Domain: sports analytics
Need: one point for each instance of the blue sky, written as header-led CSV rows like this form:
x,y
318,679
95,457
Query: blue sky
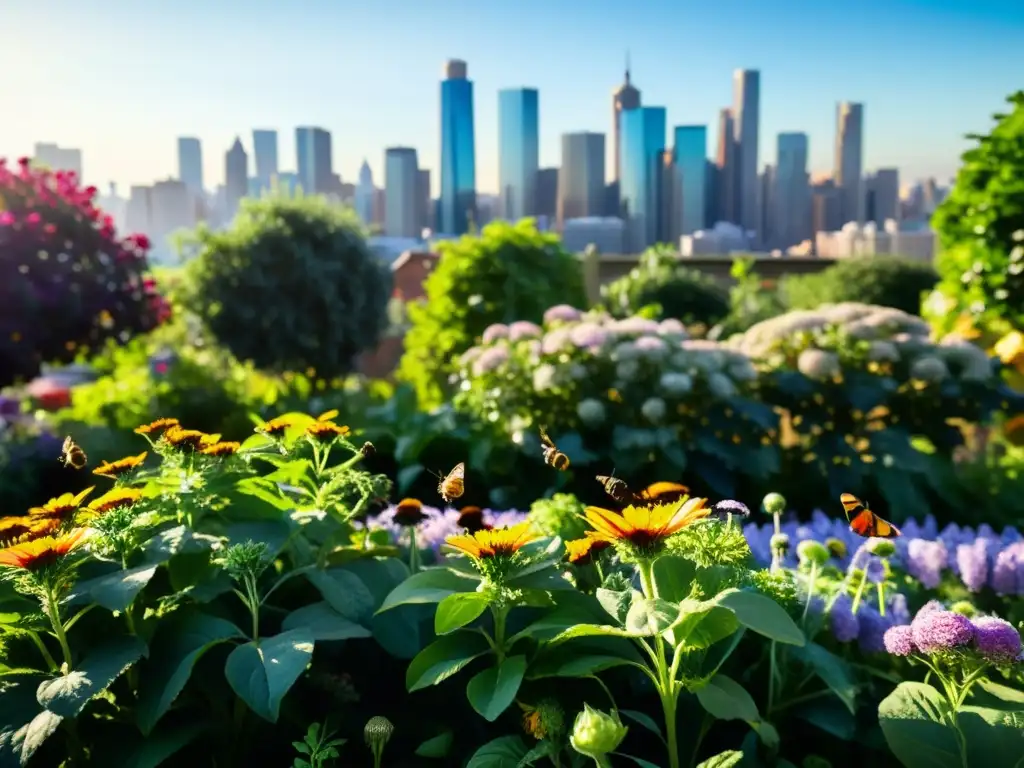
x,y
121,79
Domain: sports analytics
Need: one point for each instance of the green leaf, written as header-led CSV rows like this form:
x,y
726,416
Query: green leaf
x,y
22,743
177,647
638,760
991,695
504,752
68,694
379,574
832,670
764,616
158,747
615,603
266,491
324,623
262,672
714,625
726,699
274,533
114,591
428,586
674,577
439,746
830,716
176,541
995,737
344,591
459,609
650,617
646,721
913,721
723,760
400,633
492,691
443,658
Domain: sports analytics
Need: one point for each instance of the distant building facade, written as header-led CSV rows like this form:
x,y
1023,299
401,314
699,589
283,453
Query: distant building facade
x,y
458,151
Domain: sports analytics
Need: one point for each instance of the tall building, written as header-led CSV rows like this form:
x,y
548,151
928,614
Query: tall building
x,y
581,176
670,199
424,202
137,212
826,206
58,158
314,165
190,163
364,194
643,145
882,196
690,157
746,108
546,193
401,192
766,205
171,208
624,98
518,151
458,151
264,148
849,167
792,191
236,177
725,170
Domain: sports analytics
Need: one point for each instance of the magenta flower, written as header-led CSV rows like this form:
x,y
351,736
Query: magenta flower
x,y
997,640
899,640
941,631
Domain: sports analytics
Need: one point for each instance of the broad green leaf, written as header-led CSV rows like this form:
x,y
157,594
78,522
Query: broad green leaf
x,y
645,720
492,691
651,617
768,734
178,540
401,633
344,591
504,752
764,616
584,657
726,699
832,670
66,695
717,624
913,718
554,622
161,745
21,743
830,716
379,574
992,695
177,647
674,576
439,746
615,603
324,623
692,614
262,672
459,609
443,658
995,737
266,491
591,630
114,591
723,760
429,586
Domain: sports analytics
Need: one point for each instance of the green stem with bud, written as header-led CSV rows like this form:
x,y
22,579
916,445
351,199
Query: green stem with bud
x,y
53,612
812,585
668,689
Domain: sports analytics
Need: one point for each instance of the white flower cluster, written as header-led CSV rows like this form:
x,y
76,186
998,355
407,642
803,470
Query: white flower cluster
x,y
892,335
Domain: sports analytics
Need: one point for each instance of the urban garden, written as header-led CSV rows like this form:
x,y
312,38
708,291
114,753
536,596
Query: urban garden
x,y
670,525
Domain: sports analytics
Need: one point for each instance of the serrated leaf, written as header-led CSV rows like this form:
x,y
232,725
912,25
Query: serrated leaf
x,y
66,695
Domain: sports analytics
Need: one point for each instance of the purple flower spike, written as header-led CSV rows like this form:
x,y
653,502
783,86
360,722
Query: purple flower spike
x,y
997,640
844,622
925,561
941,631
874,571
973,562
899,641
873,627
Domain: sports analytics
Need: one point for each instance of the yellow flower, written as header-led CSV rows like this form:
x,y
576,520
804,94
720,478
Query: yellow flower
x,y
582,551
221,449
325,431
275,426
115,499
499,542
409,512
156,427
121,466
26,528
644,529
61,507
189,439
1010,349
41,552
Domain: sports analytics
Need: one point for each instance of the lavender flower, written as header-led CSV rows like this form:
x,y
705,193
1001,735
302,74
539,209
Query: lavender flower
x,y
673,328
1008,570
634,326
675,384
925,561
899,640
555,341
524,329
494,332
897,609
873,626
940,630
844,623
589,336
997,640
874,570
972,560
561,313
489,360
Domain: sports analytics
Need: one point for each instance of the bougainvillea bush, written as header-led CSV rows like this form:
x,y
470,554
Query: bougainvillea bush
x,y
67,281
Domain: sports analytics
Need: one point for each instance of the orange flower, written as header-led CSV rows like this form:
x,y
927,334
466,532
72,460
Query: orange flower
x,y
41,552
644,528
472,519
62,506
221,449
500,542
582,551
121,466
189,439
26,528
409,512
115,499
325,431
275,426
156,427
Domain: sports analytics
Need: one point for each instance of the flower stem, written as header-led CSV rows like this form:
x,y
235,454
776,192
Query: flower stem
x,y
499,632
881,599
771,676
667,685
254,605
414,551
47,656
812,585
859,593
58,628
668,705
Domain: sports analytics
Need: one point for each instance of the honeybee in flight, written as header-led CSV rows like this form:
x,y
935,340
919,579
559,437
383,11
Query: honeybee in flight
x,y
655,493
72,455
552,456
452,486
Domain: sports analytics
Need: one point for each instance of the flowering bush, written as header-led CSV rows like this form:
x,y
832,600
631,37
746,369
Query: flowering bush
x,y
886,282
66,280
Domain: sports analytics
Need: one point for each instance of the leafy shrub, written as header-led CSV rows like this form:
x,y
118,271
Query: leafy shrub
x,y
509,272
751,300
879,280
662,279
981,227
291,286
66,280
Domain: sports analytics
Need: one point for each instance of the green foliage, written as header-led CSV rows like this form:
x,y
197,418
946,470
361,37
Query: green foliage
x,y
751,300
981,225
662,279
884,281
559,516
291,286
509,272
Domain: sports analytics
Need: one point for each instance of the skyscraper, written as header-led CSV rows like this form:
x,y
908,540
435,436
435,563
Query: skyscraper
x,y
746,108
236,177
518,151
624,98
642,146
190,163
725,170
364,194
792,196
314,165
882,196
401,192
264,148
546,193
690,157
424,202
581,176
59,158
458,151
849,160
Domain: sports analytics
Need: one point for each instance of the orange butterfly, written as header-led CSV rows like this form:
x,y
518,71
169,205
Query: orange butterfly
x,y
865,522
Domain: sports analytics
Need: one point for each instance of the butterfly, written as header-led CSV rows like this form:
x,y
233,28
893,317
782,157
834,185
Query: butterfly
x,y
452,486
552,456
865,522
655,493
72,455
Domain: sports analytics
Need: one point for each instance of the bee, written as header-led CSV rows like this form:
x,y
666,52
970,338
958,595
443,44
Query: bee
x,y
552,456
72,455
865,522
615,488
655,493
452,486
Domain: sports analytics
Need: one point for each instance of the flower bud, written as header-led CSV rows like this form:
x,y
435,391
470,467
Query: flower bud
x,y
595,734
377,732
881,547
836,546
774,504
811,551
780,544
964,608
367,449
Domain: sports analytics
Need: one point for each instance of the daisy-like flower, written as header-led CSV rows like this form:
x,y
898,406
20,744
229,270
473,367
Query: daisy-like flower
x,y
189,439
62,506
644,530
225,448
275,427
32,555
25,528
471,519
326,431
409,512
115,499
495,543
582,551
157,427
115,469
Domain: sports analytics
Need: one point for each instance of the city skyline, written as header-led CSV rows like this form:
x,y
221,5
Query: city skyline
x,y
915,115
